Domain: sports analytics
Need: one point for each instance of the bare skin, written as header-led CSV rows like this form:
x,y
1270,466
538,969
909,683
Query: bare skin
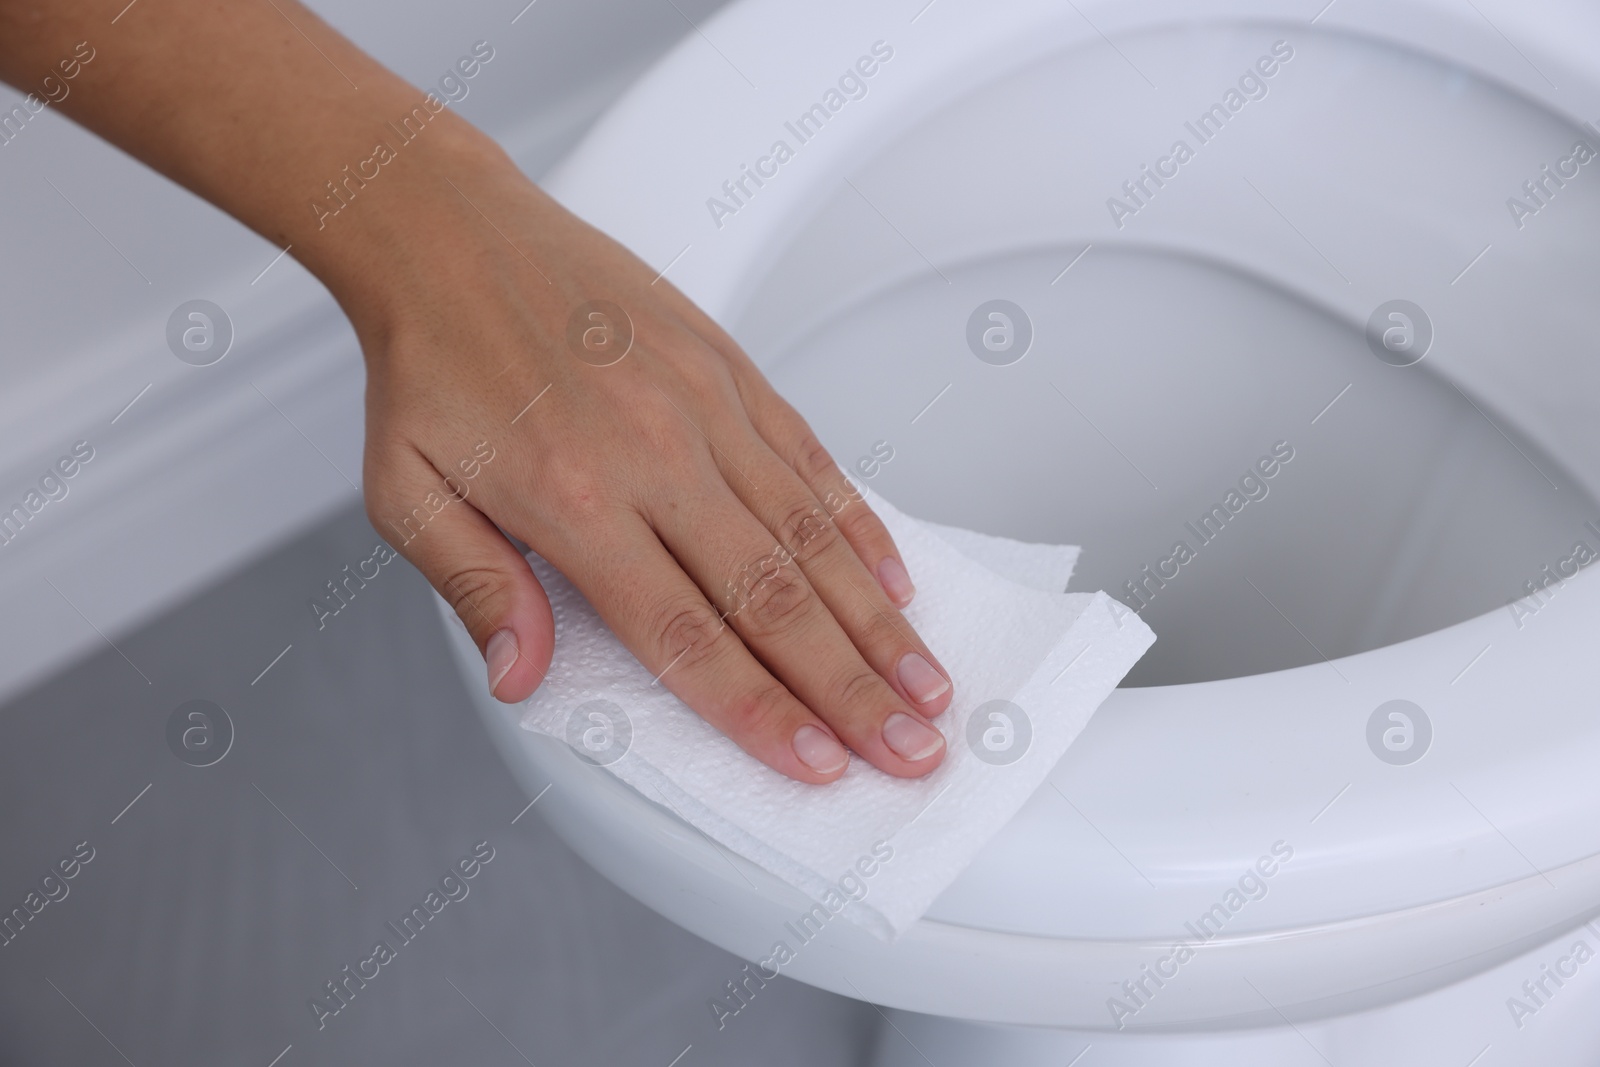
x,y
691,505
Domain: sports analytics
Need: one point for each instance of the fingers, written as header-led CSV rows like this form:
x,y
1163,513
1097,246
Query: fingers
x,y
769,601
788,435
811,534
472,565
667,622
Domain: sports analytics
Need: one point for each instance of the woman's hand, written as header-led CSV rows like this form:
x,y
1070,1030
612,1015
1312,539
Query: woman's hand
x,y
527,372
688,502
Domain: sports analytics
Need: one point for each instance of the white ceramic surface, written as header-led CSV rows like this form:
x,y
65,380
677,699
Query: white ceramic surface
x,y
1377,167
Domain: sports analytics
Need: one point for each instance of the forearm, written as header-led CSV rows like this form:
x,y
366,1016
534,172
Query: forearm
x,y
259,107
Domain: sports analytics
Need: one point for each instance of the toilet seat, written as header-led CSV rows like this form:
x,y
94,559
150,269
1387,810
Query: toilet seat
x,y
1399,881
1331,953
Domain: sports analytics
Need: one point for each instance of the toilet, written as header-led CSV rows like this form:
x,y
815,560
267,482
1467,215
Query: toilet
x,y
1339,346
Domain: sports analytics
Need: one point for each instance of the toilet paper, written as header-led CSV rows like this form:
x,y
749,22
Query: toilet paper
x,y
1046,567
1029,664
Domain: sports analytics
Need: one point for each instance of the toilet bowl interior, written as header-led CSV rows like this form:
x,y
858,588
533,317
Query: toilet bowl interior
x,y
1176,338
1183,340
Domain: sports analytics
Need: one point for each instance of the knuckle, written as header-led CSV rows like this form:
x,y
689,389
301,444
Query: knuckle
x,y
883,629
564,475
812,461
379,495
661,423
476,593
703,373
669,444
377,508
862,689
808,530
401,523
576,486
689,632
858,523
776,598
693,361
760,711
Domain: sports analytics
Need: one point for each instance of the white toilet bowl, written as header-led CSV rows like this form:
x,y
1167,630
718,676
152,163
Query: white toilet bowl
x,y
1251,854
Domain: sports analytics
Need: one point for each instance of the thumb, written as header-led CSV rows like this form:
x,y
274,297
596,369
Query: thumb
x,y
479,572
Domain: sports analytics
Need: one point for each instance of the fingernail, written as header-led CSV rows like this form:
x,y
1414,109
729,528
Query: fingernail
x,y
895,581
921,679
500,656
911,738
819,751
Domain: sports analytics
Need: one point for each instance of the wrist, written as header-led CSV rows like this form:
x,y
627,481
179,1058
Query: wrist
x,y
369,230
